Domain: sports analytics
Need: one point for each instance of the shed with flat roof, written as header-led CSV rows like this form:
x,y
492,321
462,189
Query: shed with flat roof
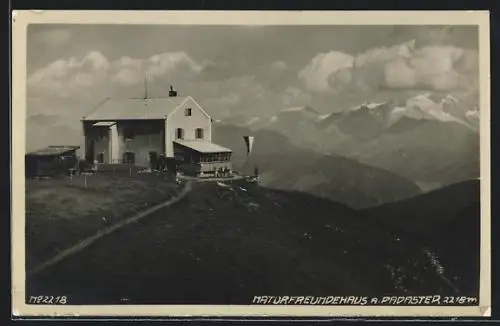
x,y
51,161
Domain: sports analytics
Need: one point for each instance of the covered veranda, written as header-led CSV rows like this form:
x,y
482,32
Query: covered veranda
x,y
202,158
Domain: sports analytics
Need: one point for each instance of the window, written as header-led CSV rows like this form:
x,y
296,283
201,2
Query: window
x,y
179,133
100,158
199,133
128,134
187,112
101,135
129,158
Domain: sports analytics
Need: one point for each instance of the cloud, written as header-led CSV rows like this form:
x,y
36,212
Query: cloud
x,y
71,87
71,77
168,67
431,67
403,66
224,97
316,74
218,71
54,37
173,66
293,96
278,66
66,78
223,102
245,95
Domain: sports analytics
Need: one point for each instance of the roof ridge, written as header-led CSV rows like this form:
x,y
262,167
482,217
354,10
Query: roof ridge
x,y
149,97
116,108
97,107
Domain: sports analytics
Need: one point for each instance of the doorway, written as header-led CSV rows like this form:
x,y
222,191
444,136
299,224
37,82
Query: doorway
x,y
100,158
153,160
89,155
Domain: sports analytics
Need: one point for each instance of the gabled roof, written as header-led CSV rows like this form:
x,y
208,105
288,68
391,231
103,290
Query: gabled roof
x,y
202,146
135,108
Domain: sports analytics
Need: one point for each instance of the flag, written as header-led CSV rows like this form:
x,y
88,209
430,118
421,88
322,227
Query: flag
x,y
249,143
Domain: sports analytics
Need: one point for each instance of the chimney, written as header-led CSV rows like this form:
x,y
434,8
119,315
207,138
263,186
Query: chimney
x,y
172,92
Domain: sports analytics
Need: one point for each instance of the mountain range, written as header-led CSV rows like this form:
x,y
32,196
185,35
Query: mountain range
x,y
283,165
430,139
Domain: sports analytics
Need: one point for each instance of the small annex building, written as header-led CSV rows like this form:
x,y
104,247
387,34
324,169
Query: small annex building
x,y
144,131
51,161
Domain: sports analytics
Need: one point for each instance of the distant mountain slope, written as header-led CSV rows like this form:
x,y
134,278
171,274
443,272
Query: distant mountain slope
x,y
448,220
429,139
284,166
334,177
225,243
425,151
300,125
361,123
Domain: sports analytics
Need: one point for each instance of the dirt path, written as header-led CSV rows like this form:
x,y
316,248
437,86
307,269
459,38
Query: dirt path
x,y
106,231
220,179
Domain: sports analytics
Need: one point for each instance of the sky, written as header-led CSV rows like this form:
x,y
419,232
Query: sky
x,y
244,70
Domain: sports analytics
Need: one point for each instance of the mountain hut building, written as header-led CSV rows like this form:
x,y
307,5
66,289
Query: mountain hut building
x,y
144,131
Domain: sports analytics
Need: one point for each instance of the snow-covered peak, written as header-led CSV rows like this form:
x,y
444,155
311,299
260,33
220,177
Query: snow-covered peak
x,y
253,120
398,110
472,114
450,99
291,116
373,105
324,116
368,105
300,112
426,106
423,106
294,109
305,109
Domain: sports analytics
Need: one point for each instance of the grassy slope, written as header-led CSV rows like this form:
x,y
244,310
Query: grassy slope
x,y
60,212
226,244
448,220
429,212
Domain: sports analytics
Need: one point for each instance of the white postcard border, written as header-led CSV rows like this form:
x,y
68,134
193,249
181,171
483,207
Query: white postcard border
x,y
21,19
